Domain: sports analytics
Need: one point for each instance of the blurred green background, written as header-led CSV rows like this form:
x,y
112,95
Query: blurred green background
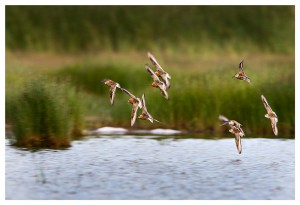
x,y
94,28
200,46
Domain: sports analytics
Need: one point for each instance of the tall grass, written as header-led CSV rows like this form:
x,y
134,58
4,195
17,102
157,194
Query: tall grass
x,y
197,96
44,114
173,28
201,45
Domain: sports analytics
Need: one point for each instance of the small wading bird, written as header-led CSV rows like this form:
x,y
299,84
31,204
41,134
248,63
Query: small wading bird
x,y
145,114
270,114
157,83
159,71
136,103
235,128
113,86
241,74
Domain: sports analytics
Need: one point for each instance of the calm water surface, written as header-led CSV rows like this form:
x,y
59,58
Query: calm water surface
x,y
128,167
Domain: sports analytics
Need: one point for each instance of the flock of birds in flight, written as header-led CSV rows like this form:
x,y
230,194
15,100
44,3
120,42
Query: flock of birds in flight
x,y
161,80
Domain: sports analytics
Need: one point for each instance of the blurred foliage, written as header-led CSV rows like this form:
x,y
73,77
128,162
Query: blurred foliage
x,y
200,46
175,28
200,91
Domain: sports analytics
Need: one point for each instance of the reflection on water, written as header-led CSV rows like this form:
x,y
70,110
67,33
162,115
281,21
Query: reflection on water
x,y
130,167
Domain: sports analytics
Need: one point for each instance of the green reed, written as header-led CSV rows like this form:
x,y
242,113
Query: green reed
x,y
44,113
119,28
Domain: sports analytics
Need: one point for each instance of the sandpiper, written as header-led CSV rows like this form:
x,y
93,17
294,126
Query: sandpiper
x,y
270,114
145,114
241,74
157,83
160,71
113,86
136,103
235,128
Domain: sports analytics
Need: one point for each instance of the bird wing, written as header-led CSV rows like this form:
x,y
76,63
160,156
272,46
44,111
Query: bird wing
x,y
238,143
144,108
150,119
154,62
112,92
157,66
274,126
166,80
265,102
128,93
241,66
133,113
154,77
223,118
242,132
162,89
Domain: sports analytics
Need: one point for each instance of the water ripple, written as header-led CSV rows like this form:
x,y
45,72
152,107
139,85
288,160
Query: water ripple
x,y
144,168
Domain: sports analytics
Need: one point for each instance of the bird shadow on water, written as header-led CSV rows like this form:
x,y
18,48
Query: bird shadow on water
x,y
236,161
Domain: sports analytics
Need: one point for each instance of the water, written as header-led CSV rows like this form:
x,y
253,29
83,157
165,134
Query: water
x,y
141,167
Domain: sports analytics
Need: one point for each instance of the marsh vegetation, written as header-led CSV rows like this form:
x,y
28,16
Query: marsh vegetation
x,y
74,48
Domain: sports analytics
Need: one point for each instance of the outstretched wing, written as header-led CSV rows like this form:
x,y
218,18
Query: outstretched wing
x,y
166,80
241,66
242,132
265,102
274,126
112,92
150,71
238,143
128,93
133,113
154,62
157,66
223,118
162,89
144,108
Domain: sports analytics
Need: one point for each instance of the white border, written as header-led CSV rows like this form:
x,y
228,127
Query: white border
x,y
132,2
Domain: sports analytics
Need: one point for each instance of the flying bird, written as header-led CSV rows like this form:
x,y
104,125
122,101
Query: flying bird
x,y
231,123
235,128
136,103
145,114
238,132
270,114
160,71
113,86
241,74
157,83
